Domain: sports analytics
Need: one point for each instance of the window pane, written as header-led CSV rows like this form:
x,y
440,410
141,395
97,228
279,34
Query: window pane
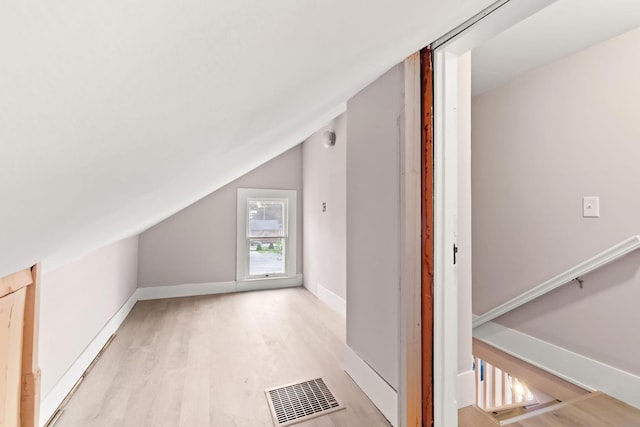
x,y
266,218
266,256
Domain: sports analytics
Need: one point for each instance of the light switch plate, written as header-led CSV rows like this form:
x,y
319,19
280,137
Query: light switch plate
x,y
591,207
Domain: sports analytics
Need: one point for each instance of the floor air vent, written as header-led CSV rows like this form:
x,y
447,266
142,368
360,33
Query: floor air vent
x,y
298,402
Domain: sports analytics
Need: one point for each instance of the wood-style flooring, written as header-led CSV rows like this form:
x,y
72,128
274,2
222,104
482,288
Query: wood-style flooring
x,y
591,410
472,416
206,361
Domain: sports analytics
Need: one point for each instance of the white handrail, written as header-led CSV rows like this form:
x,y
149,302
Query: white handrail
x,y
593,263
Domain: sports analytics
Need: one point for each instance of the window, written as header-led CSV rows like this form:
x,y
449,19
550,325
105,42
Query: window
x,y
266,234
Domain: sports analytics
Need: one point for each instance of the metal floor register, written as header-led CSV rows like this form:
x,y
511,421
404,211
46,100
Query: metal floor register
x,y
294,403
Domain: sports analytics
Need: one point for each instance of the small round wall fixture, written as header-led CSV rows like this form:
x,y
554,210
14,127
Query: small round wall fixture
x,y
328,138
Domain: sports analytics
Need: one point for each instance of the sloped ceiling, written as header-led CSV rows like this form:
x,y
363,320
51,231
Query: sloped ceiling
x,y
561,29
116,114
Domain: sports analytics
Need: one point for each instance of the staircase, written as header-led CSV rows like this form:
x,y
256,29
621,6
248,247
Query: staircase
x,y
510,392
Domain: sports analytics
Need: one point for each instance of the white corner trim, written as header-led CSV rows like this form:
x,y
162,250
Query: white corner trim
x,y
53,399
272,283
186,290
575,368
374,386
466,388
338,304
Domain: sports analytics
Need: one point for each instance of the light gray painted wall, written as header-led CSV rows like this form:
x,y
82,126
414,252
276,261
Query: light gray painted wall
x,y
540,143
198,244
324,172
374,117
76,302
464,217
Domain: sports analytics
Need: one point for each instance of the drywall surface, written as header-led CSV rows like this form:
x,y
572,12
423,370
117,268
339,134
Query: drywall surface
x,y
374,117
541,143
464,214
324,172
77,300
116,115
198,244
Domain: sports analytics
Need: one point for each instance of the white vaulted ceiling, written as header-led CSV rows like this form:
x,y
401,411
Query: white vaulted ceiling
x,y
116,114
561,29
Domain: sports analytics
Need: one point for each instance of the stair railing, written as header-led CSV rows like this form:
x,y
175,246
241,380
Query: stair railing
x,y
574,273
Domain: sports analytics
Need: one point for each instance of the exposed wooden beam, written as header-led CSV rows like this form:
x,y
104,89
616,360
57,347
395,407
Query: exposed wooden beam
x,y
426,71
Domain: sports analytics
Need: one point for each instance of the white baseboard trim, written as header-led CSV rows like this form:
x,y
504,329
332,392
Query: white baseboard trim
x,y
54,398
374,386
466,388
212,288
186,290
575,368
338,304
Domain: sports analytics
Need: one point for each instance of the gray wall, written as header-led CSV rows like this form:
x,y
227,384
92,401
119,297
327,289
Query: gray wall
x,y
198,244
373,222
325,233
76,302
540,143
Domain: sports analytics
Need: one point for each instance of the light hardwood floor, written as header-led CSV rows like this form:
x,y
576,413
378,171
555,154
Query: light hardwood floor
x,y
206,361
593,410
472,416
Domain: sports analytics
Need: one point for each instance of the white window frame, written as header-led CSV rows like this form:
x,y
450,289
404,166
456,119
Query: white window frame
x,y
290,197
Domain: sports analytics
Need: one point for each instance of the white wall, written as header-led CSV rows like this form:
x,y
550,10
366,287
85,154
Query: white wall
x,y
324,172
76,302
467,396
198,244
541,143
374,117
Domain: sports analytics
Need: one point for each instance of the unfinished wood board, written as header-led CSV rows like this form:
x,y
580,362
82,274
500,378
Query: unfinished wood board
x,y
206,361
15,281
11,323
597,410
472,416
410,395
428,163
30,394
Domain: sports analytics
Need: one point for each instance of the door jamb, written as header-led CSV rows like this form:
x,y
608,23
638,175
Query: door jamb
x,y
493,20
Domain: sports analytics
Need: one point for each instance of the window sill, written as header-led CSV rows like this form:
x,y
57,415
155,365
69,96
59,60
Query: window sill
x,y
269,283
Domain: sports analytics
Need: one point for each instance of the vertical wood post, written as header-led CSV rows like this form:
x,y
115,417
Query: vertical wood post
x,y
426,71
30,396
410,393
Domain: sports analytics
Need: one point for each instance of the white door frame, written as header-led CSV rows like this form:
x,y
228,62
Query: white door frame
x,y
445,275
492,21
